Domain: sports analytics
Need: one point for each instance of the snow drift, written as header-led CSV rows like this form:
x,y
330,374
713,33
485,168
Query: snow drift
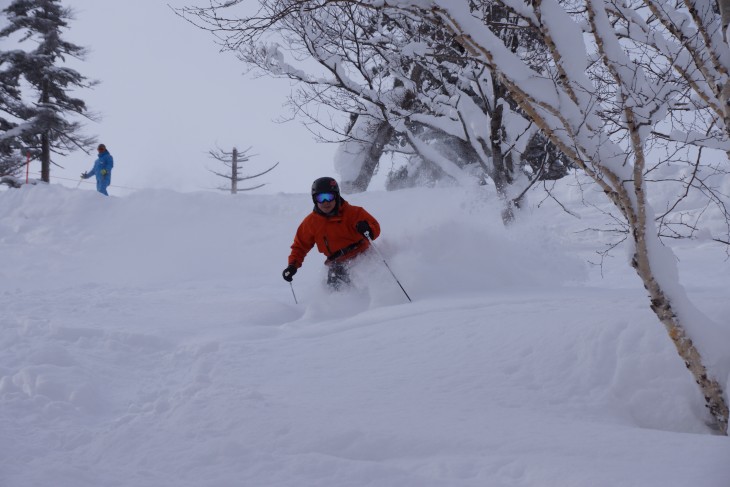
x,y
150,341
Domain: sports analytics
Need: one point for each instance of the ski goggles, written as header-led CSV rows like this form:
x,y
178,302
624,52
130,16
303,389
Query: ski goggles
x,y
324,197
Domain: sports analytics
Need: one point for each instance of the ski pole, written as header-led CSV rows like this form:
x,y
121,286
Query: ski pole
x,y
79,183
292,293
367,236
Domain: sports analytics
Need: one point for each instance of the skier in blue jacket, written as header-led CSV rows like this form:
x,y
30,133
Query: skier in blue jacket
x,y
102,169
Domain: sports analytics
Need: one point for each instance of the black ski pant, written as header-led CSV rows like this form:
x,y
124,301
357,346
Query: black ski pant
x,y
337,276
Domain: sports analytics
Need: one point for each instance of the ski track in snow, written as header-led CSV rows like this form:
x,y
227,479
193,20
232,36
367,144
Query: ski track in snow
x,y
150,341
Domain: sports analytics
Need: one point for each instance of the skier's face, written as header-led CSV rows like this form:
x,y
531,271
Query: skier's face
x,y
327,206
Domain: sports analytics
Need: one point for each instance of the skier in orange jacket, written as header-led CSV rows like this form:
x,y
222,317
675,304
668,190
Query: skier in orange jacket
x,y
337,228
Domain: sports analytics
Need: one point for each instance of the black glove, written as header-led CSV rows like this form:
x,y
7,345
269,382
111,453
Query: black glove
x,y
362,227
84,175
288,273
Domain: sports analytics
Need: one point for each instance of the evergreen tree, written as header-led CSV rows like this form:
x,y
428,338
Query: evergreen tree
x,y
10,110
35,104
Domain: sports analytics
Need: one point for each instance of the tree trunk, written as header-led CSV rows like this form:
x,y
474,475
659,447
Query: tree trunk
x,y
502,171
661,304
369,138
45,157
234,171
724,6
45,140
383,133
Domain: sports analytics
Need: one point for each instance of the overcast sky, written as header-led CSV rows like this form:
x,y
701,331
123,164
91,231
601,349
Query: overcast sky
x,y
167,96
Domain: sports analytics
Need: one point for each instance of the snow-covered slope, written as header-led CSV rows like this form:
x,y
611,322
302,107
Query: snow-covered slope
x,y
150,341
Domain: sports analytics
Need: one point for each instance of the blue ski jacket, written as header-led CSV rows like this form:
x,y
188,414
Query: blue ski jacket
x,y
103,171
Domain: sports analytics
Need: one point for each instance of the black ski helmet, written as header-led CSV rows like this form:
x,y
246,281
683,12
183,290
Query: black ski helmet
x,y
325,185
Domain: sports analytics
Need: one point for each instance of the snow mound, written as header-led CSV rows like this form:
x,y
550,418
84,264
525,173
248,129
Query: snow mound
x,y
151,341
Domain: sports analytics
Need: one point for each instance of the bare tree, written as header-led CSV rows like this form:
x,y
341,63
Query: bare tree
x,y
233,161
408,88
612,151
688,37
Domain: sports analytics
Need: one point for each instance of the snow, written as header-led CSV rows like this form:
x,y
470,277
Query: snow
x,y
150,340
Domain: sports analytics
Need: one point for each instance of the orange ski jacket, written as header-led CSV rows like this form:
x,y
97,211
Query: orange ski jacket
x,y
335,235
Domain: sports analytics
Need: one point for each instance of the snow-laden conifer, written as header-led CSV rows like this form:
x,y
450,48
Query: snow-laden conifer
x,y
37,108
